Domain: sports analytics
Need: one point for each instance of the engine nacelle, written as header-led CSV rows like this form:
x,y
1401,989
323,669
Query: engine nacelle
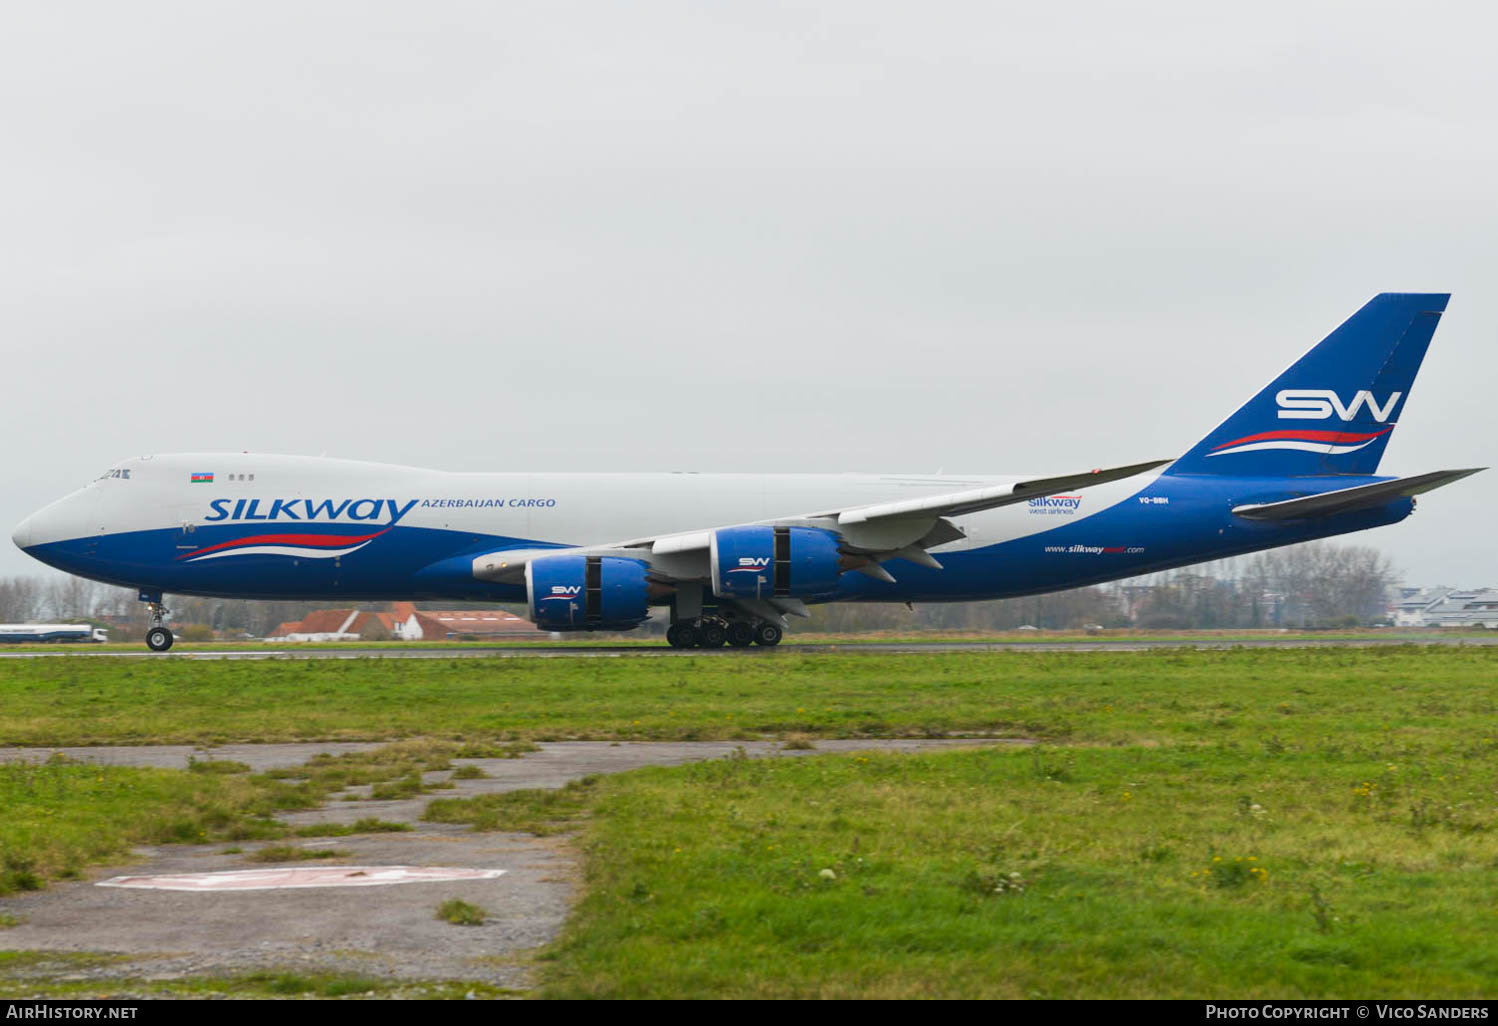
x,y
586,593
766,562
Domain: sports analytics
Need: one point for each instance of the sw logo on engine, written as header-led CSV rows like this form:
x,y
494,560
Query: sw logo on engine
x,y
1321,403
565,590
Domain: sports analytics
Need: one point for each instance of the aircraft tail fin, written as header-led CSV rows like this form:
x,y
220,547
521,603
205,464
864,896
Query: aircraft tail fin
x,y
1334,410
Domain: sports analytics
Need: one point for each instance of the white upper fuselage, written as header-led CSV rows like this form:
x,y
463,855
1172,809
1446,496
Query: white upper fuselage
x,y
156,492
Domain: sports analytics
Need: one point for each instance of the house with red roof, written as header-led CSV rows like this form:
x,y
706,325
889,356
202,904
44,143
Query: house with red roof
x,y
404,622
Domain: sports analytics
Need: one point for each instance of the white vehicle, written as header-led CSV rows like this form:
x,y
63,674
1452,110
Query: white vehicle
x,y
20,633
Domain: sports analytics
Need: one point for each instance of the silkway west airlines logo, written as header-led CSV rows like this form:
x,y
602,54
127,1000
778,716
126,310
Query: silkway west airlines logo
x,y
1316,404
302,544
751,564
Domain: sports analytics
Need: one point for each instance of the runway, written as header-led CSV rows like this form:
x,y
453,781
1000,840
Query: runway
x,y
540,651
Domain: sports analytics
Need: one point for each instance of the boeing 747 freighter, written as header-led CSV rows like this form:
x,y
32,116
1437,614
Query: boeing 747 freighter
x,y
730,556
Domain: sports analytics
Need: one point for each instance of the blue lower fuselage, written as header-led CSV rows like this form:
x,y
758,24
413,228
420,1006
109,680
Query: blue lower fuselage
x,y
1172,521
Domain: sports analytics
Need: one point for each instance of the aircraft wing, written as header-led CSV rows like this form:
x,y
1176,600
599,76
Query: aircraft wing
x,y
954,504
1345,500
868,534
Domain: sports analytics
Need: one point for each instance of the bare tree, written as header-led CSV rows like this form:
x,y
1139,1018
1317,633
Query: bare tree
x,y
21,599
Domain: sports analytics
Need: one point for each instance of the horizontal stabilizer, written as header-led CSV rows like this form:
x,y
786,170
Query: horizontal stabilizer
x,y
1345,500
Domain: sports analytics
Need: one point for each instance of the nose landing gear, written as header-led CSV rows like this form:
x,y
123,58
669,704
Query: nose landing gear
x,y
159,639
159,636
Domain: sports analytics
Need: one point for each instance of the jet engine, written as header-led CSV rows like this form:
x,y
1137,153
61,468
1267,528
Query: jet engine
x,y
768,562
586,593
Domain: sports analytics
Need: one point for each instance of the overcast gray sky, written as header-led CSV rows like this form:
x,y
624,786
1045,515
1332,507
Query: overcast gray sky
x,y
734,236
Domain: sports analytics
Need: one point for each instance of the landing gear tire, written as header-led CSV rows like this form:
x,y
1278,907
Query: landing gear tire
x,y
740,634
159,639
681,635
767,634
711,635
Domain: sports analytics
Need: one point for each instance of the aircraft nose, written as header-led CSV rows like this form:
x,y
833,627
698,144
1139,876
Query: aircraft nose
x,y
67,518
25,533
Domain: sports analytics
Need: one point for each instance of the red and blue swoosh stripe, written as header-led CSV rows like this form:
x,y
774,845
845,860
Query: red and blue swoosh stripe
x,y
304,546
1331,443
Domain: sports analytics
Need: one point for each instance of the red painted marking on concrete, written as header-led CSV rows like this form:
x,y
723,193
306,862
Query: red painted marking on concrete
x,y
315,876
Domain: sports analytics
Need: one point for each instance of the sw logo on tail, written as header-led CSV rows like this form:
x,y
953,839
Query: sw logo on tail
x,y
1321,403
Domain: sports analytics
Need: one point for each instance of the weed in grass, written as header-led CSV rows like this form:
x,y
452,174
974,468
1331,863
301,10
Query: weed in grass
x,y
7,921
406,787
366,825
233,849
1049,764
1248,807
503,750
990,883
1321,911
319,985
469,773
539,812
18,873
287,983
460,913
1229,874
195,765
28,961
289,853
706,921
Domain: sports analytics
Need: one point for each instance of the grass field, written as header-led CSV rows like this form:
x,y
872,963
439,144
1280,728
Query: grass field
x,y
1109,697
1315,867
1246,823
59,817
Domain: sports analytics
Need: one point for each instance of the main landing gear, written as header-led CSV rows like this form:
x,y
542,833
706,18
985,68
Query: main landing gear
x,y
159,636
712,632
